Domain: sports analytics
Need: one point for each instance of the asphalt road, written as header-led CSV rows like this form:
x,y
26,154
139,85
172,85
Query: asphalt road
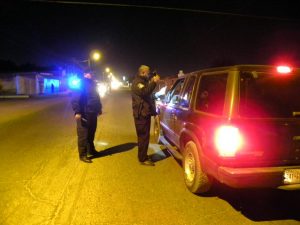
x,y
43,182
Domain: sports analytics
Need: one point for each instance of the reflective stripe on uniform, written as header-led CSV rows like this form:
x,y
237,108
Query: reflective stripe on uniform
x,y
140,85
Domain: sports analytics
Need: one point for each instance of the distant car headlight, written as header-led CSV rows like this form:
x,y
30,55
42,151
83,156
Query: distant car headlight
x,y
102,89
115,84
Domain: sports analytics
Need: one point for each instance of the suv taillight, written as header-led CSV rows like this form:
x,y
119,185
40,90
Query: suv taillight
x,y
284,69
228,140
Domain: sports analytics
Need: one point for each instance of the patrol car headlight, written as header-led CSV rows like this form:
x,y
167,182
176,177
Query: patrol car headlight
x,y
228,140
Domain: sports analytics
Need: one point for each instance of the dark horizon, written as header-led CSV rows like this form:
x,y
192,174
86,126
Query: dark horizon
x,y
168,40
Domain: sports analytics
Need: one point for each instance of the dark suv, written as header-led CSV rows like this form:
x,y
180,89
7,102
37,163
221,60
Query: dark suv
x,y
239,125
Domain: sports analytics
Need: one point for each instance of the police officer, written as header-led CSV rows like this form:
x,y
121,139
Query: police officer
x,y
143,108
87,106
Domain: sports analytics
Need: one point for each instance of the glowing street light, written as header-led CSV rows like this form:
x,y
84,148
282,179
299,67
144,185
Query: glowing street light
x,y
107,69
96,56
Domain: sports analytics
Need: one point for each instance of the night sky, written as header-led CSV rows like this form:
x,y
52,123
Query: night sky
x,y
168,36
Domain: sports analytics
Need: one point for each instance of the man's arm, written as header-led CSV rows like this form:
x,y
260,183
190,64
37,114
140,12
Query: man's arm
x,y
143,89
75,102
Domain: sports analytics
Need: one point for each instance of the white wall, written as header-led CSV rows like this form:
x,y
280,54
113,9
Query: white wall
x,y
26,85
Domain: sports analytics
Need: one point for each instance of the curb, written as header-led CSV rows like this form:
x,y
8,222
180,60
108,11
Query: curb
x,y
33,96
14,96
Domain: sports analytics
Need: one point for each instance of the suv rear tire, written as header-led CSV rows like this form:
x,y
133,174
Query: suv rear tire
x,y
195,179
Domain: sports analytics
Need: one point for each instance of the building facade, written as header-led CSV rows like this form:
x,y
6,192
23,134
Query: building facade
x,y
31,83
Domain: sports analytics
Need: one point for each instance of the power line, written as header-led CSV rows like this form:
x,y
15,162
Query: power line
x,y
166,8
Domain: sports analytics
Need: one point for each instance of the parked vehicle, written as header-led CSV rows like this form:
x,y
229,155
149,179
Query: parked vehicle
x,y
238,125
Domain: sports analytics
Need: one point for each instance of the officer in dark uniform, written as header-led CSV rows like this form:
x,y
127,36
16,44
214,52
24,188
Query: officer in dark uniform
x,y
143,108
87,106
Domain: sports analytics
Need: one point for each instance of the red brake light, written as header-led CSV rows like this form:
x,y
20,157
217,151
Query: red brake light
x,y
228,140
284,69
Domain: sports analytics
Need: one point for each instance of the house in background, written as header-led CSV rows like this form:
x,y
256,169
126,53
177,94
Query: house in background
x,y
31,83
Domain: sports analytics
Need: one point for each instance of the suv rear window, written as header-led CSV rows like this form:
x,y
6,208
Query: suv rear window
x,y
211,93
269,95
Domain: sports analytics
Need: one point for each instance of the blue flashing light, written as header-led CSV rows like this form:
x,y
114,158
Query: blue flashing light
x,y
74,83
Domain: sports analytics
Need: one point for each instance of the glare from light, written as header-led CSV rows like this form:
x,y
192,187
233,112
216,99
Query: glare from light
x,y
101,143
284,69
161,92
102,89
110,75
74,82
115,84
107,69
228,140
96,56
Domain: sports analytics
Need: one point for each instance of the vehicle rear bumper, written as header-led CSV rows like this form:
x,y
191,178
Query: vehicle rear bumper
x,y
265,177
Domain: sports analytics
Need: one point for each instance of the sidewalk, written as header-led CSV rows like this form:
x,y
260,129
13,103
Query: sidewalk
x,y
13,96
35,96
16,108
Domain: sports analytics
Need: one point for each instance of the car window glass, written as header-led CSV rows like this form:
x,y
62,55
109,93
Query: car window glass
x,y
269,95
173,94
187,93
211,93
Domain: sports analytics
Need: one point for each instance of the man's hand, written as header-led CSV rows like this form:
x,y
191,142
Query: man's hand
x,y
77,116
156,78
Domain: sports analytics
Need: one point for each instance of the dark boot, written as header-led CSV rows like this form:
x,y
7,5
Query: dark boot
x,y
85,159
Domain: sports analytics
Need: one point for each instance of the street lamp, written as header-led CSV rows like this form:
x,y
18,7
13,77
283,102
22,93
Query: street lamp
x,y
77,65
95,55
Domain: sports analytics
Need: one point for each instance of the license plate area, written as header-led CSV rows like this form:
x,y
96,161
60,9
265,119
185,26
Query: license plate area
x,y
291,176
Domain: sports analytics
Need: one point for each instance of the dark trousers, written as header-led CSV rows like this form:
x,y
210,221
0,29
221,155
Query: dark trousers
x,y
86,128
142,126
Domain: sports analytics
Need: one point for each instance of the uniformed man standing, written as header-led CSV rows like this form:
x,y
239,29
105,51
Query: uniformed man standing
x,y
87,106
143,108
